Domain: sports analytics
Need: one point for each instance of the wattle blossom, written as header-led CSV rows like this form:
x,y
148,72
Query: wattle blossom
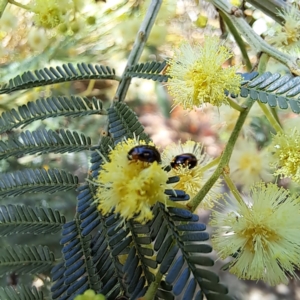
x,y
90,295
262,235
249,165
197,75
130,187
192,179
285,148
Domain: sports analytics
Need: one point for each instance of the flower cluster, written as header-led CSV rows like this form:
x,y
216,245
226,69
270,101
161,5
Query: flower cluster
x,y
262,235
65,15
286,158
130,187
192,179
48,14
287,36
90,295
197,75
249,165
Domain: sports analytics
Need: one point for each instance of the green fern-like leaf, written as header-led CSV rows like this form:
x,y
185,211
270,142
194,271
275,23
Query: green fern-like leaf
x,y
17,219
20,292
273,89
50,108
106,143
43,141
123,123
149,70
58,74
181,251
78,272
25,259
36,180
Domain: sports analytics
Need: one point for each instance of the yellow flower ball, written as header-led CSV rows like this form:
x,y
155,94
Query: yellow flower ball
x,y
192,179
130,187
286,36
201,21
90,295
249,165
263,235
197,75
285,148
48,14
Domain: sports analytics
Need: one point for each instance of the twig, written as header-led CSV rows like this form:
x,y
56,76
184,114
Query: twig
x,y
237,38
194,203
272,7
255,40
231,185
27,7
3,4
138,47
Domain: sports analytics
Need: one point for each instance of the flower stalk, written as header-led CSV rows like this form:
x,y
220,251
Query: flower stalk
x,y
232,186
193,204
150,294
235,105
270,117
27,7
211,164
3,4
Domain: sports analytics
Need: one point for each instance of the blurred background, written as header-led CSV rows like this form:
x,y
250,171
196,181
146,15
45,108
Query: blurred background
x,y
103,32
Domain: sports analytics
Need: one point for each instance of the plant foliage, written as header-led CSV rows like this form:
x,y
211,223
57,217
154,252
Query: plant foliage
x,y
59,74
272,89
50,107
103,253
21,292
100,252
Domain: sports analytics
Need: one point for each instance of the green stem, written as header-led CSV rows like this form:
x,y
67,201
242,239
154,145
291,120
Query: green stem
x,y
150,294
271,8
171,203
275,115
270,117
89,89
27,7
193,204
254,40
263,61
138,47
3,4
210,165
232,188
235,105
238,39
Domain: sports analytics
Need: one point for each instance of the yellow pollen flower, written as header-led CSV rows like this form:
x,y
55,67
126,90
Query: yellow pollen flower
x,y
236,3
8,21
249,165
201,21
288,35
263,235
90,295
130,187
286,154
191,179
48,13
197,76
37,39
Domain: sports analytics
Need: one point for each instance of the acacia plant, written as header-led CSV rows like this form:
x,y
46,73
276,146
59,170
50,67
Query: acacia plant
x,y
135,233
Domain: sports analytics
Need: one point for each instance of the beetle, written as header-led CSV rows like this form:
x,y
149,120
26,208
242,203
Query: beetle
x,y
144,153
185,159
